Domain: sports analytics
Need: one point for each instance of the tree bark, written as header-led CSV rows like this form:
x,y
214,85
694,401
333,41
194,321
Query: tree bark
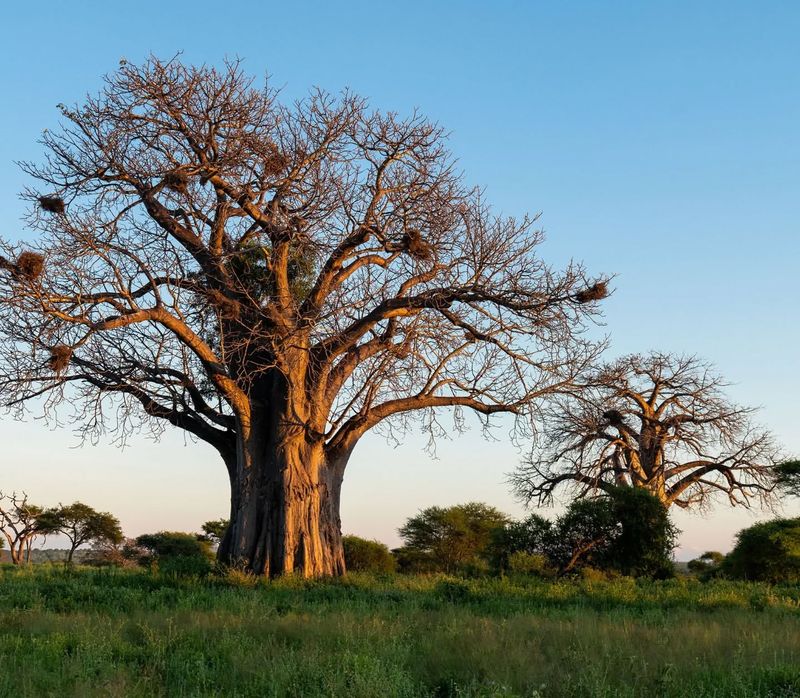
x,y
17,553
285,495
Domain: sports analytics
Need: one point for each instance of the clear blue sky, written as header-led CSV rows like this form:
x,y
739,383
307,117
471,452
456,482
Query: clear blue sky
x,y
660,141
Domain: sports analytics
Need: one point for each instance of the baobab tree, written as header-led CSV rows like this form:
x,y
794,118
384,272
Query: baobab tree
x,y
657,421
276,280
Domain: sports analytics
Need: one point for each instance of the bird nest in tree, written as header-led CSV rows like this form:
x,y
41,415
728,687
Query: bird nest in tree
x,y
613,416
177,181
275,161
29,265
595,292
52,204
416,246
60,356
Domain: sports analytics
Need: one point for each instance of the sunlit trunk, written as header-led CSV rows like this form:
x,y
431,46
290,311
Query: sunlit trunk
x,y
285,496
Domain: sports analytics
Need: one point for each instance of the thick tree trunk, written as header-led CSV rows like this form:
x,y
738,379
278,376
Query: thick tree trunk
x,y
285,496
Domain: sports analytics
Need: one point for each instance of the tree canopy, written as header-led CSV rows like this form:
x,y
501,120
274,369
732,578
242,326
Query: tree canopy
x,y
20,523
81,524
450,538
767,552
275,279
659,422
787,477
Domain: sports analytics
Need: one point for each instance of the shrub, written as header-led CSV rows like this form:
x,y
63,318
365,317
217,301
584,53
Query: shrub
x,y
707,565
181,554
185,565
626,531
411,561
647,538
768,552
532,536
538,565
362,555
452,590
126,553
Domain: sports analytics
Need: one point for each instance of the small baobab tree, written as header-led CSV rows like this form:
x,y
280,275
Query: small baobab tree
x,y
275,279
657,421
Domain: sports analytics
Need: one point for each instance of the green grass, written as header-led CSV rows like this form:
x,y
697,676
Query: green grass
x,y
126,633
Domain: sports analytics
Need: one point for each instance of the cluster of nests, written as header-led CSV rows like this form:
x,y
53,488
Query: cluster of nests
x,y
416,246
613,417
60,356
27,267
595,292
273,162
52,204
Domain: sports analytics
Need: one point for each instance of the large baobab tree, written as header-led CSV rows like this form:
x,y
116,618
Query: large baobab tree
x,y
275,280
656,421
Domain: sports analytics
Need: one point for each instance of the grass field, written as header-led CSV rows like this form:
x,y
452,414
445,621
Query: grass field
x,y
121,633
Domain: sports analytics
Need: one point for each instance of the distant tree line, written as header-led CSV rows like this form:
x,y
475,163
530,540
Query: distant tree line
x,y
22,522
618,530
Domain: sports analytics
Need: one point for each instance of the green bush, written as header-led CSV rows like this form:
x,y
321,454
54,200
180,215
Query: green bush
x,y
175,553
766,552
626,531
411,561
450,539
707,566
645,544
452,590
522,562
362,555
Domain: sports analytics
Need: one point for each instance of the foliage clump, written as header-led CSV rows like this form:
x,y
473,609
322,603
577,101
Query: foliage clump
x,y
214,531
766,552
626,531
177,553
362,555
449,539
787,477
707,565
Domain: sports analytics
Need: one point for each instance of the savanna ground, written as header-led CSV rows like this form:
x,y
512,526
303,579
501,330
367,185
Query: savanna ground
x,y
114,632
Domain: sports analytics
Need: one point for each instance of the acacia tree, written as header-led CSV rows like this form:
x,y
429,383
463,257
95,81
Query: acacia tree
x,y
214,531
787,477
20,524
660,422
450,538
275,279
82,524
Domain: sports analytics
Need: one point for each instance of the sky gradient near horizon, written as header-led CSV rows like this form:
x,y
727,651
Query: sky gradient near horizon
x,y
659,140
